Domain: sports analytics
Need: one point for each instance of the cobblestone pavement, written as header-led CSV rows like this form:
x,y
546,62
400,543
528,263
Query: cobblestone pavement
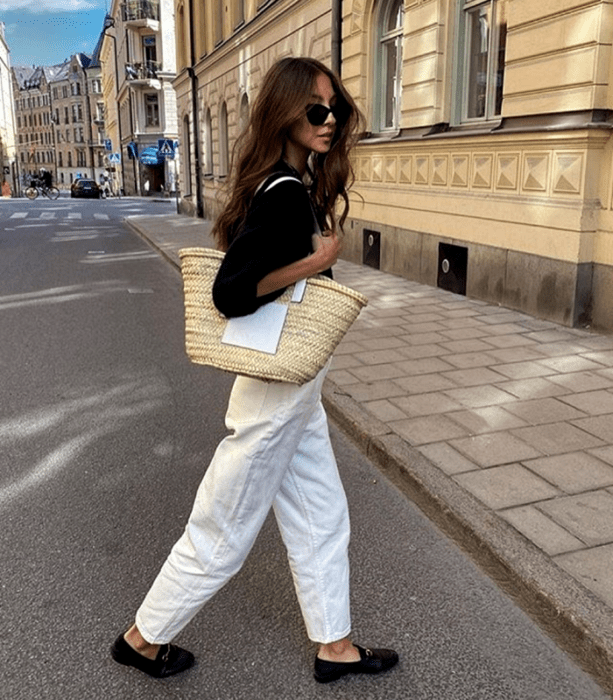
x,y
506,421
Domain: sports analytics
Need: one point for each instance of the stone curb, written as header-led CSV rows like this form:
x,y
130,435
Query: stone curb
x,y
570,614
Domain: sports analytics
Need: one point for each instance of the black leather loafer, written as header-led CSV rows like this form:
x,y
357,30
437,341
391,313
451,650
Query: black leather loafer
x,y
371,661
170,659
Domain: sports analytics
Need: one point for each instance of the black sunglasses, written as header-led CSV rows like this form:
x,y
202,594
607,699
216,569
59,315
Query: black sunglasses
x,y
317,114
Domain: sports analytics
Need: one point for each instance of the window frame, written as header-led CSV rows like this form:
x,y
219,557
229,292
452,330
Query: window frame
x,y
152,110
384,38
460,114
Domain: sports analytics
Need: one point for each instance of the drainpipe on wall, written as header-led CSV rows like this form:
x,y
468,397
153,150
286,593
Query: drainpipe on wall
x,y
337,36
191,71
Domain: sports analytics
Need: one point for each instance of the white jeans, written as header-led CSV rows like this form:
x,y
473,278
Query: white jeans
x,y
278,455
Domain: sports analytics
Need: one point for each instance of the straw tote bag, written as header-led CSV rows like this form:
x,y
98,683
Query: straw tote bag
x,y
287,340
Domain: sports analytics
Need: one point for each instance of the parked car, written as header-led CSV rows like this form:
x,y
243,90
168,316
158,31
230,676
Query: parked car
x,y
85,188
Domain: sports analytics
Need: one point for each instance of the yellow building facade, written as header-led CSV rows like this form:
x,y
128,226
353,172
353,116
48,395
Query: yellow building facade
x,y
486,168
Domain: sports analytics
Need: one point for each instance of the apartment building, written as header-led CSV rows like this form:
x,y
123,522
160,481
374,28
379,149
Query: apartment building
x,y
487,163
35,133
9,177
60,120
77,111
138,59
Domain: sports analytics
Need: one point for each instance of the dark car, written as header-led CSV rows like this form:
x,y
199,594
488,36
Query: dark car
x,y
85,188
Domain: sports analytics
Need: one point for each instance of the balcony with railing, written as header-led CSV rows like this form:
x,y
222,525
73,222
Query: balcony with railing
x,y
141,13
143,73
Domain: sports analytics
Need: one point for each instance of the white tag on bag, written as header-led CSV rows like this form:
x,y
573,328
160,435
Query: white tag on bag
x,y
260,330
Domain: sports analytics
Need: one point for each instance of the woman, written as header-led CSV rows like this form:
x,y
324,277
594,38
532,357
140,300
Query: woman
x,y
278,453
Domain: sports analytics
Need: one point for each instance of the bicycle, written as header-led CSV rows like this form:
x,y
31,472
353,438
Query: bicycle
x,y
34,190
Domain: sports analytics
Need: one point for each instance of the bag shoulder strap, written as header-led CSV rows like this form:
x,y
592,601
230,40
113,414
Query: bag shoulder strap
x,y
274,179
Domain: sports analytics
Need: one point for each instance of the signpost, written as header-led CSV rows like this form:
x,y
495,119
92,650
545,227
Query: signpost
x,y
166,149
114,158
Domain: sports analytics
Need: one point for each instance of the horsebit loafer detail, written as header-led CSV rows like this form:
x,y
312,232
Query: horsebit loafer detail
x,y
170,659
371,661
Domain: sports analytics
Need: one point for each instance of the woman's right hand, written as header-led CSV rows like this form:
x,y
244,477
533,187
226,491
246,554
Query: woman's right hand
x,y
327,248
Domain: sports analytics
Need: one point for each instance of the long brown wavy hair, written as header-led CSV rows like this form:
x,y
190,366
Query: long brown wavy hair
x,y
282,100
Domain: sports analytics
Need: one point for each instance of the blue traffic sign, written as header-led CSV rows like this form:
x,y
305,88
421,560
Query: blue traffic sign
x,y
108,144
166,148
115,158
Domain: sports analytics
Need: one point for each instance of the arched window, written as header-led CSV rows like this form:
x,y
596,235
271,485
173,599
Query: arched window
x,y
186,152
243,115
183,33
208,143
389,70
223,140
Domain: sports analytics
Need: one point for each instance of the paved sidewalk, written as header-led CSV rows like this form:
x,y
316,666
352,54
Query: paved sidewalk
x,y
499,425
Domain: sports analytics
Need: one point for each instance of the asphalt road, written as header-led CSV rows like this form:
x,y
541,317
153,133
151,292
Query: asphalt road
x,y
105,431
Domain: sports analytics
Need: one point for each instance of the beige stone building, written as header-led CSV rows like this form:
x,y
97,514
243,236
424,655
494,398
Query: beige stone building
x,y
9,177
35,134
60,120
77,110
487,164
138,67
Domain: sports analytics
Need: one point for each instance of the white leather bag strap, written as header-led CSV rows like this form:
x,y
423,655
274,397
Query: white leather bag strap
x,y
300,286
283,178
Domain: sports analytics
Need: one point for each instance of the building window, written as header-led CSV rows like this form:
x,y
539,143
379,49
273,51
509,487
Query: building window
x,y
150,53
243,114
224,146
187,157
208,144
218,12
96,86
60,159
70,159
389,69
481,53
239,9
182,35
152,110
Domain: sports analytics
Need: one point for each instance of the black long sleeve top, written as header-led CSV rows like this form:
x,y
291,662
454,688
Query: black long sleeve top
x,y
277,231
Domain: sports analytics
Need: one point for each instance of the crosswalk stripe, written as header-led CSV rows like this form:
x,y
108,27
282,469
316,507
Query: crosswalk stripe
x,y
47,215
103,217
19,215
74,215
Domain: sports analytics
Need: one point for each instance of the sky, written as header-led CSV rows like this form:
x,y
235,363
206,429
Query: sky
x,y
46,32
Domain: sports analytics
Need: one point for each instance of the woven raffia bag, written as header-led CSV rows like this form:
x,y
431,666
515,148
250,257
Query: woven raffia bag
x,y
312,330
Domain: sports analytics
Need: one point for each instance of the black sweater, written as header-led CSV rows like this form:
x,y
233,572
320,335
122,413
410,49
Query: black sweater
x,y
277,231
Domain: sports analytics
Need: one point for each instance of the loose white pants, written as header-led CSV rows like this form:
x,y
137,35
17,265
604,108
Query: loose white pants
x,y
279,454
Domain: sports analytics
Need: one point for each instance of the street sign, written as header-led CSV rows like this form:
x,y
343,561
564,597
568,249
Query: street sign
x,y
115,158
166,148
108,145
